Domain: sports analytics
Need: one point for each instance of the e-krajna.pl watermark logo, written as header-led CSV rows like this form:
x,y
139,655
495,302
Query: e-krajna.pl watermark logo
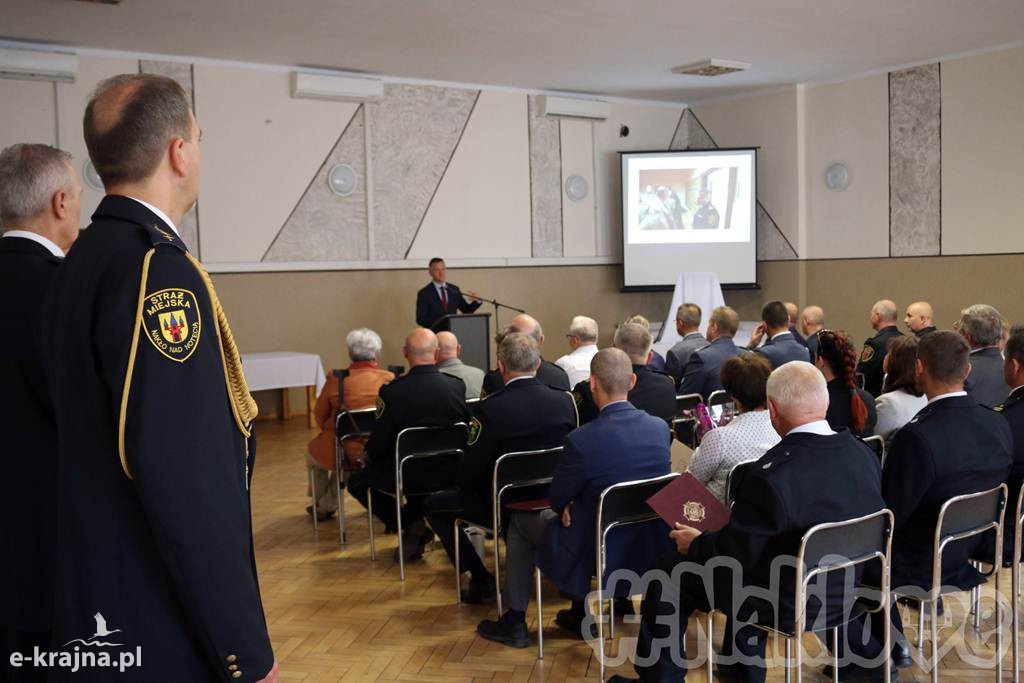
x,y
81,657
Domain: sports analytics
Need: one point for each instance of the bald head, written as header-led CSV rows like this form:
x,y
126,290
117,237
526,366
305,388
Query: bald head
x,y
919,316
797,395
611,376
793,311
883,314
812,319
447,346
420,347
527,324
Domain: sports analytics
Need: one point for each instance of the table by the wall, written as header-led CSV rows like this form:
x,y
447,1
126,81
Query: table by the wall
x,y
283,370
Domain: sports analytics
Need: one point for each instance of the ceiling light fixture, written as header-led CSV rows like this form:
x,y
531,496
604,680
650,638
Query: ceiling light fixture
x,y
711,67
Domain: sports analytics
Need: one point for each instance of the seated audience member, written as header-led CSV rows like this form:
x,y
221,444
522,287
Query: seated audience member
x,y
423,397
526,415
747,436
548,373
883,321
982,326
622,444
953,446
813,475
848,406
657,361
794,314
653,392
449,362
901,399
701,374
919,318
812,321
582,338
688,326
360,383
781,346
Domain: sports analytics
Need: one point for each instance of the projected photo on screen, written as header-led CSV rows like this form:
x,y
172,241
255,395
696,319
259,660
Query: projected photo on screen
x,y
688,212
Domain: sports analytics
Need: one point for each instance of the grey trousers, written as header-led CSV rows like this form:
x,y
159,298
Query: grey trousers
x,y
525,530
325,485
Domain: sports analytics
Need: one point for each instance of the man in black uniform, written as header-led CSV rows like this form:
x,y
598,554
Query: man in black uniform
x,y
547,373
153,415
883,321
423,397
526,415
920,318
40,206
951,447
813,475
440,298
702,372
654,392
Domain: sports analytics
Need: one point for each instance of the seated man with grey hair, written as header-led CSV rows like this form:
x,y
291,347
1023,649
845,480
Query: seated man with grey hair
x,y
449,362
582,338
688,326
526,415
622,444
982,327
813,475
654,392
354,388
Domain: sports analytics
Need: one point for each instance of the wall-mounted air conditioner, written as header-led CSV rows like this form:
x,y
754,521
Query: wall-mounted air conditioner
x,y
345,88
37,65
571,106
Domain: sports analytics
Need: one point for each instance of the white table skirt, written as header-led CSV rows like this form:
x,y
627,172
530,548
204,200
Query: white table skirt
x,y
282,369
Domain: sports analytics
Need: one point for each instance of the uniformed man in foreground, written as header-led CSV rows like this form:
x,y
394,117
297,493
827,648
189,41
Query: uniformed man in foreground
x,y
526,415
154,417
423,397
883,321
654,392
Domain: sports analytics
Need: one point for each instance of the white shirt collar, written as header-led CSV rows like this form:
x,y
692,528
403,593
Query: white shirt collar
x,y
519,377
817,427
160,214
983,348
587,349
39,239
949,395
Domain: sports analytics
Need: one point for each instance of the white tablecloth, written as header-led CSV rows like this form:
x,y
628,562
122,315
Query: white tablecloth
x,y
281,369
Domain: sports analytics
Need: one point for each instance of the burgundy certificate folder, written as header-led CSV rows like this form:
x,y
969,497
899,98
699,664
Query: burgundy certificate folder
x,y
686,501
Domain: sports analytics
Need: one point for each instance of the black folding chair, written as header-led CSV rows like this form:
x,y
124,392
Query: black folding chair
x,y
731,481
514,471
721,398
426,451
1016,588
348,426
877,444
686,415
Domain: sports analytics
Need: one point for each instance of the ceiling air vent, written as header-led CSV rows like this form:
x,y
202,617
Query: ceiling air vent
x,y
711,67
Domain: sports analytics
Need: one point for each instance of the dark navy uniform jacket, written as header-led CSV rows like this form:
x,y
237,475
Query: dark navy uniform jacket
x,y
622,444
871,357
839,414
654,393
154,523
526,415
28,513
429,309
702,374
985,384
951,447
783,349
547,373
1013,411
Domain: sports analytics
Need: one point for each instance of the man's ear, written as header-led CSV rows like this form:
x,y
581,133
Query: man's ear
x,y
58,204
176,154
632,382
501,366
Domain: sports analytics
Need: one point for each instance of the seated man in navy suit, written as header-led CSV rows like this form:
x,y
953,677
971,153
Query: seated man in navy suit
x,y
440,298
781,346
622,444
701,375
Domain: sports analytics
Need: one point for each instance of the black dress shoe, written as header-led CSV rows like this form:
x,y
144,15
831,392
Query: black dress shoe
x,y
624,607
853,672
479,591
414,540
505,632
901,655
572,622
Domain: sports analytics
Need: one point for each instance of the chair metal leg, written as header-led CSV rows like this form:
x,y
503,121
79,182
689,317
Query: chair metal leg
x,y
934,605
789,660
312,498
920,627
600,624
1015,620
497,570
540,616
835,655
340,478
997,613
458,567
798,646
711,644
611,618
369,516
398,522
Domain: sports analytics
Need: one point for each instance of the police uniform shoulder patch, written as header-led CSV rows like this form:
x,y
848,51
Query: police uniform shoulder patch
x,y
867,354
172,322
474,431
380,408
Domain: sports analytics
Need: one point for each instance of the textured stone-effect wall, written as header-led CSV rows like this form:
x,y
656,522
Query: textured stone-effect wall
x,y
324,226
545,181
182,73
915,161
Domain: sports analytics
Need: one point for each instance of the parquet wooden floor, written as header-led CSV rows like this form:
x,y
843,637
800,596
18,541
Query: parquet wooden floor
x,y
336,616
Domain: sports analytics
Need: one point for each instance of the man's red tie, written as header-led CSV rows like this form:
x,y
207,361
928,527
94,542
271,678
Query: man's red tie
x,y
444,298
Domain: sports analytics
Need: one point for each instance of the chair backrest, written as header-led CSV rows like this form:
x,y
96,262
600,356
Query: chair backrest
x,y
969,515
351,423
877,444
735,475
520,469
626,503
472,401
685,403
719,397
425,442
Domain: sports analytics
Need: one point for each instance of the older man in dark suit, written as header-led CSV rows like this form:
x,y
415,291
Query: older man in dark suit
x,y
982,326
40,207
701,374
781,346
621,445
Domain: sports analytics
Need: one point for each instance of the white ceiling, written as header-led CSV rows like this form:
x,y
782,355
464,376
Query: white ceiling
x,y
624,48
